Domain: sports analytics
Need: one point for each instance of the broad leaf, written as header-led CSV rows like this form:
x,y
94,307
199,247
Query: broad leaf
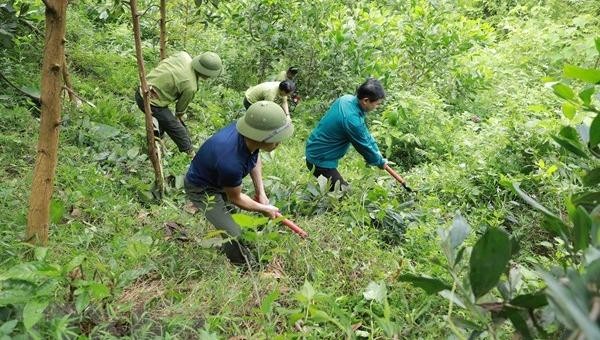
x,y
32,312
516,318
597,42
564,299
375,291
530,301
563,91
595,131
581,231
592,272
583,74
266,307
571,146
8,327
459,231
592,177
249,221
428,284
586,95
588,199
489,259
569,110
569,133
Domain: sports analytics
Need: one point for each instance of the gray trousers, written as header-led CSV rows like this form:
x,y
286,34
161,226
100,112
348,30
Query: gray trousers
x,y
218,212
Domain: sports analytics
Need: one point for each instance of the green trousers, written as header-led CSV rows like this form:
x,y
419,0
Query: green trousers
x,y
218,212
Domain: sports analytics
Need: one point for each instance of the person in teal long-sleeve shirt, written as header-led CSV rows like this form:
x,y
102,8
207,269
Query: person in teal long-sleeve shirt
x,y
344,124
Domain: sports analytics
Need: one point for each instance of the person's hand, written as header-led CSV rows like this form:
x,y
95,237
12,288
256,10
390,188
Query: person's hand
x,y
270,211
262,199
385,161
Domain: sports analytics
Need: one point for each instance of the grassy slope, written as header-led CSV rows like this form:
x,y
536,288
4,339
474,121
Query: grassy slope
x,y
162,286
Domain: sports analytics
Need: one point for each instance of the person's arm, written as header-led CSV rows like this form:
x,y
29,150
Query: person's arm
x,y
259,189
243,201
184,100
364,143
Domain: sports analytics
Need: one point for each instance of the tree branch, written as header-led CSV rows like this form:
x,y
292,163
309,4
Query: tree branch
x,y
70,90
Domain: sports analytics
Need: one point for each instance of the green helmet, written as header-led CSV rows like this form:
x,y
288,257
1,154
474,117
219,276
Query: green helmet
x,y
265,122
208,64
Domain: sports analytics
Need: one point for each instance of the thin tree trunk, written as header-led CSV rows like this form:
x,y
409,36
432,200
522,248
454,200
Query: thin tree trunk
x,y
163,29
67,79
47,149
152,151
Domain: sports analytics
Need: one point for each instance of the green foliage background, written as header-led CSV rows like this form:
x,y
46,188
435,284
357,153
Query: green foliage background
x,y
466,113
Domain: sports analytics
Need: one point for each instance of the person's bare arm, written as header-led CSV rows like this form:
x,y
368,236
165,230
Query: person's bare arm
x,y
259,189
243,201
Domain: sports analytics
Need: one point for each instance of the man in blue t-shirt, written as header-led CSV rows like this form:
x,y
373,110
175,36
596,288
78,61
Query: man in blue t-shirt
x,y
216,173
344,124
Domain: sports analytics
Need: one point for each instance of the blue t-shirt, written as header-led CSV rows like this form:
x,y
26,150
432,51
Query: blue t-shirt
x,y
343,124
222,161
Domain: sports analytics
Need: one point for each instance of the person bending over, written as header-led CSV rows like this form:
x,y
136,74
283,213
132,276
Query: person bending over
x,y
344,124
214,178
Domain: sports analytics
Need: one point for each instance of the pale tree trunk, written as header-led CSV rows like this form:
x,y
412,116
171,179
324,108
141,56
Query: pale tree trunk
x,y
47,149
152,150
163,29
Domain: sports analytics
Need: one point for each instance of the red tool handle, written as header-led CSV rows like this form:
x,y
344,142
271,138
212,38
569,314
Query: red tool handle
x,y
295,228
291,225
397,177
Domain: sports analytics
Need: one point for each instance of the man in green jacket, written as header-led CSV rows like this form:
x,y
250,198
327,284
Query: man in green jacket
x,y
175,80
344,124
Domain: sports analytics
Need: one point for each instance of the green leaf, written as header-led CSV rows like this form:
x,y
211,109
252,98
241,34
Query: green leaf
x,y
98,291
73,263
516,318
589,199
319,316
306,294
563,298
532,202
592,272
595,131
563,91
571,146
530,301
489,259
597,41
569,133
582,223
592,177
249,221
40,253
569,110
8,327
32,312
428,284
82,301
57,211
583,74
459,231
266,306
586,95
376,292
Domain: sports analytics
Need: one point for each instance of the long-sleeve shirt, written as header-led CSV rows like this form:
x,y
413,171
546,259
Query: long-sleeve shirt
x,y
174,79
343,124
264,91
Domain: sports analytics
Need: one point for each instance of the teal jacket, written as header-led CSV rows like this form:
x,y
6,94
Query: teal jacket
x,y
343,124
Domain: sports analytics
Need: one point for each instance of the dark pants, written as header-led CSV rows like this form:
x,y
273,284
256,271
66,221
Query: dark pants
x,y
246,103
218,213
332,175
167,122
